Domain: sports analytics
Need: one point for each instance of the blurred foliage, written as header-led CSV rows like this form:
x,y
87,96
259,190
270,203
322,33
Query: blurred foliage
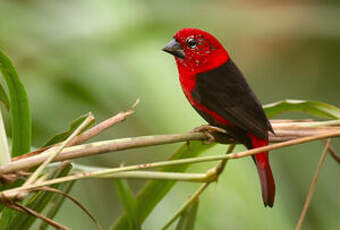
x,y
99,56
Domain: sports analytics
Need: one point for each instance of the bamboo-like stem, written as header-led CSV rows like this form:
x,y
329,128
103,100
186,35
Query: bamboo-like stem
x,y
312,186
289,129
147,175
137,142
101,147
78,176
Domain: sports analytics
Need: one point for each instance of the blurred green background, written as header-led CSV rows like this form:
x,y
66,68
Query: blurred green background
x,y
99,56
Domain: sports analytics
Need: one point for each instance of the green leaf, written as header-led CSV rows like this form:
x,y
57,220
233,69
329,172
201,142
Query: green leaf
x,y
3,97
56,203
6,217
315,108
129,203
19,108
38,202
188,217
73,126
154,191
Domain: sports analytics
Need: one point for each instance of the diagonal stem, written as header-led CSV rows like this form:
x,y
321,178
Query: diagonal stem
x,y
217,171
186,204
28,211
312,186
333,153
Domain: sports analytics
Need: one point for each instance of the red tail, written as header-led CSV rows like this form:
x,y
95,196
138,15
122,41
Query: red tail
x,y
264,171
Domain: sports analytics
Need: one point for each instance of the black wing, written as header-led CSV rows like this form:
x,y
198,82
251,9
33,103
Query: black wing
x,y
225,91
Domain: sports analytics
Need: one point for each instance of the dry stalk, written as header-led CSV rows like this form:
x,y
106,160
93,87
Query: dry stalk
x,y
282,134
49,189
28,211
312,186
332,152
103,173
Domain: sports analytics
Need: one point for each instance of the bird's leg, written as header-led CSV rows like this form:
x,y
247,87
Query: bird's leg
x,y
208,130
188,145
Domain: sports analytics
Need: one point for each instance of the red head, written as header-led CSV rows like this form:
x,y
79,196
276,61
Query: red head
x,y
196,51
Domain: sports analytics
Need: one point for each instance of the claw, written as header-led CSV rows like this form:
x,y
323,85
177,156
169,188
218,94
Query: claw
x,y
210,139
207,130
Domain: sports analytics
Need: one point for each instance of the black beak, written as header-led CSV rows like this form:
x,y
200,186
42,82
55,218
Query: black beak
x,y
174,48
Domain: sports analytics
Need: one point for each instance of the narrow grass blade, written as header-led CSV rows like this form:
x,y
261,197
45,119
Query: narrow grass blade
x,y
129,203
19,108
3,97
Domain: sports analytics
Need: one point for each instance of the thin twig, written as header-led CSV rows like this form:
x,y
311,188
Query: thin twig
x,y
312,186
333,153
74,201
29,211
150,175
121,116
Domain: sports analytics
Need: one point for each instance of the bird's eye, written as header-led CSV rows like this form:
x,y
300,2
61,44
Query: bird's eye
x,y
191,43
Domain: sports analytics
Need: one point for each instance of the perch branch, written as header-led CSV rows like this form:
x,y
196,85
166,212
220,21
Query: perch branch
x,y
282,134
77,176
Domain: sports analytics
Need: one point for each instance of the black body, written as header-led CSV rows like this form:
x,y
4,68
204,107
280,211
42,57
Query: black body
x,y
225,91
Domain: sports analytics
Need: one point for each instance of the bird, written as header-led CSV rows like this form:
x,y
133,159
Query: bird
x,y
219,92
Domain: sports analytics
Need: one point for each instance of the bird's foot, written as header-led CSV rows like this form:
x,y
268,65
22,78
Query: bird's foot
x,y
208,130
